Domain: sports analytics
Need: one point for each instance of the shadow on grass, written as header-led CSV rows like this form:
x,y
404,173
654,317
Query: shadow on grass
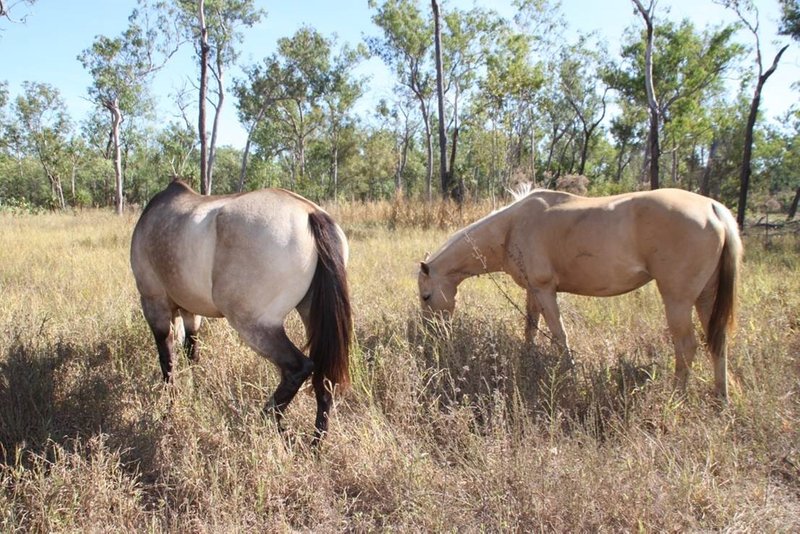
x,y
54,392
474,362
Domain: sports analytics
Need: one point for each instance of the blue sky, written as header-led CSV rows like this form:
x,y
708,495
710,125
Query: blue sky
x,y
45,47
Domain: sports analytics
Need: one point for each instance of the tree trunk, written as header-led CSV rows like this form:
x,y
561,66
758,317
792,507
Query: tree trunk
x,y
705,184
116,120
793,207
212,149
426,121
533,147
744,180
655,151
444,175
335,170
205,186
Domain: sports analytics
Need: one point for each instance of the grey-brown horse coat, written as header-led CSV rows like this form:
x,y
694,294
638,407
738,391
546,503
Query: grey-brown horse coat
x,y
250,258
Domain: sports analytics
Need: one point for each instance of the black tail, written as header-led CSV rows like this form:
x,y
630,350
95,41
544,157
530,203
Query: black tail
x,y
330,318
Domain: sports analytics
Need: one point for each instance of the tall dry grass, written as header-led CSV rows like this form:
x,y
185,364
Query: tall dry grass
x,y
460,428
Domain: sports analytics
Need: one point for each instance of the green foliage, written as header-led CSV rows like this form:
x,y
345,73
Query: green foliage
x,y
526,103
790,18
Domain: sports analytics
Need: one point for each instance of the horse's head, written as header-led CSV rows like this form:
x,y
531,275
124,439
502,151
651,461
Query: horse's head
x,y
437,293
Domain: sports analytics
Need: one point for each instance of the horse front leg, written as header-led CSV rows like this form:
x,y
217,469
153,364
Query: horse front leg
x,y
548,303
533,313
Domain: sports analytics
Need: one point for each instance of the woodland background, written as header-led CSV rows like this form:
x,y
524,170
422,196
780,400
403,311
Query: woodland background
x,y
521,100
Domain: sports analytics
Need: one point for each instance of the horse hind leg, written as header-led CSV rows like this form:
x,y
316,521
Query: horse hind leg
x,y
191,325
679,320
159,314
272,343
322,387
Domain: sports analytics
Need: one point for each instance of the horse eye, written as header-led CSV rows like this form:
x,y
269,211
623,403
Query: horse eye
x,y
426,298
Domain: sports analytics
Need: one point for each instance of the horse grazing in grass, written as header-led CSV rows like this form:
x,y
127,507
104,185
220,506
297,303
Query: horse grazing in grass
x,y
550,241
251,258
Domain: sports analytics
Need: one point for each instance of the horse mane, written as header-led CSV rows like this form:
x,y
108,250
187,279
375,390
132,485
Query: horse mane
x,y
519,193
522,190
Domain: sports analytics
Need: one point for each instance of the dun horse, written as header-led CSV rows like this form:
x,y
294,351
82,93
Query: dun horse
x,y
552,242
251,258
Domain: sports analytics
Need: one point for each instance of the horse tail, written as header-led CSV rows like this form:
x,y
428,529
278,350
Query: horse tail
x,y
724,311
330,320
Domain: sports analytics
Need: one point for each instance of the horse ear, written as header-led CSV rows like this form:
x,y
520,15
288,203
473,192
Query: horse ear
x,y
424,268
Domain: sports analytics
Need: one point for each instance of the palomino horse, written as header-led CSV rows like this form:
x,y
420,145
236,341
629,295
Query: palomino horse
x,y
551,241
251,258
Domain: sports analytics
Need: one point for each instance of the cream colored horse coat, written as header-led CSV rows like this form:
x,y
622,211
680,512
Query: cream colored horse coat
x,y
552,242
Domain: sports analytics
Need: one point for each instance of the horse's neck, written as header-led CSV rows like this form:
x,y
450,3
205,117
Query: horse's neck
x,y
476,249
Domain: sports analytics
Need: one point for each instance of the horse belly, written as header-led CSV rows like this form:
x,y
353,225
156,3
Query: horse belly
x,y
603,277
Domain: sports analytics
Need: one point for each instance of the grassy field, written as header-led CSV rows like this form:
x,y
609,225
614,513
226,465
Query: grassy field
x,y
465,429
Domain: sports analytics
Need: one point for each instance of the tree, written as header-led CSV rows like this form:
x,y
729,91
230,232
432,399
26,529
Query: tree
x,y
577,82
396,118
444,173
283,100
654,149
45,129
405,48
121,69
687,68
510,90
790,18
341,94
215,26
748,15
263,87
5,9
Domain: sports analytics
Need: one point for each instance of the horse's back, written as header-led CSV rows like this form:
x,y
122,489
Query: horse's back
x,y
249,254
604,246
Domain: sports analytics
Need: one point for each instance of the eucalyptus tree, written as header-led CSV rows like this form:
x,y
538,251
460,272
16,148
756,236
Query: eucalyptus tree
x,y
215,27
6,6
790,25
121,69
342,92
654,150
747,13
790,18
627,131
281,101
465,41
405,47
510,88
396,117
578,75
307,60
264,85
44,129
687,69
